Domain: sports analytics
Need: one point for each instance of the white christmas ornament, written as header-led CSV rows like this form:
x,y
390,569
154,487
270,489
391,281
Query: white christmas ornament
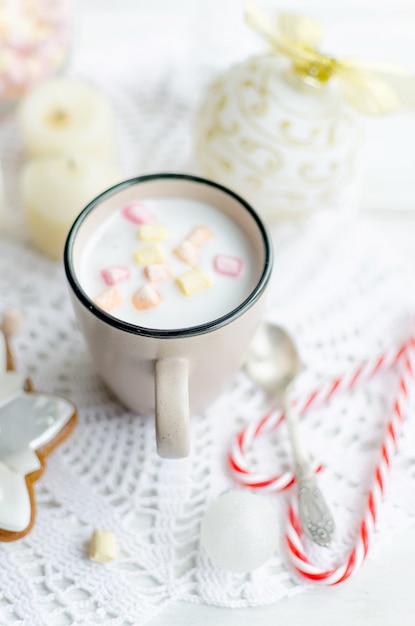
x,y
281,128
287,145
239,531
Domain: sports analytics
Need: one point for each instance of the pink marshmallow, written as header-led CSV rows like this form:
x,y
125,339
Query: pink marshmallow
x,y
156,272
108,299
146,297
199,236
137,213
187,253
227,265
115,274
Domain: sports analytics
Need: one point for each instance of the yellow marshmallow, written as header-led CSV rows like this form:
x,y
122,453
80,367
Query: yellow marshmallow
x,y
193,281
103,546
149,254
152,232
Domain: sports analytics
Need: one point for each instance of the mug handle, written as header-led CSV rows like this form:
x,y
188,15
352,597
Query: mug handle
x,y
172,407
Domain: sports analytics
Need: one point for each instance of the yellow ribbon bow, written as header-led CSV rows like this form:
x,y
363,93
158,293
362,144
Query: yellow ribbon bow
x,y
370,87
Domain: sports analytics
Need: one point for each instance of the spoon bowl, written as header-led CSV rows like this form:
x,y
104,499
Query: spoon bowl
x,y
273,361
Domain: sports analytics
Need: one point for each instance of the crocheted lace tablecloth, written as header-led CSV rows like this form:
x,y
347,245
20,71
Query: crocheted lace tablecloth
x,y
338,288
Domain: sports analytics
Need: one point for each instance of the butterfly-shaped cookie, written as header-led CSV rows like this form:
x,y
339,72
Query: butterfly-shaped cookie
x,y
32,424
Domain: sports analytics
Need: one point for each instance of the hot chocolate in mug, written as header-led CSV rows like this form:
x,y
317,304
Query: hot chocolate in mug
x,y
167,274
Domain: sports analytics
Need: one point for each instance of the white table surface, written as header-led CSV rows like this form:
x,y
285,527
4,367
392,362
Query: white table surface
x,y
381,592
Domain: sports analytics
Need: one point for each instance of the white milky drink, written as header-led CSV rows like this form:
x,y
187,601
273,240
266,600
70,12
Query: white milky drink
x,y
168,263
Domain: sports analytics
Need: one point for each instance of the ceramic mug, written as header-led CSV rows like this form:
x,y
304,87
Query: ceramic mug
x,y
170,372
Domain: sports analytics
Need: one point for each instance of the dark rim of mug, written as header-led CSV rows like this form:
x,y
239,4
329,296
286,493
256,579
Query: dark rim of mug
x,y
173,332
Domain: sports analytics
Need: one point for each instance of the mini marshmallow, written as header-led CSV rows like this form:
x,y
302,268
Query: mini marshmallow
x,y
146,297
193,281
150,254
187,253
156,272
115,274
103,546
137,213
227,265
108,299
152,232
199,236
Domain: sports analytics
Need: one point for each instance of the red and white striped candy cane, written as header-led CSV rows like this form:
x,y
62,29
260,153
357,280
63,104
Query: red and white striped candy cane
x,y
240,468
238,461
362,373
239,464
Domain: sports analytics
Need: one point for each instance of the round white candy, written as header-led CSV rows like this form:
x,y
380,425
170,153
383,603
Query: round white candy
x,y
239,531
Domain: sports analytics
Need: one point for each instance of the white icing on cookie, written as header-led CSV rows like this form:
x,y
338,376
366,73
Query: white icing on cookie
x,y
11,385
15,509
28,421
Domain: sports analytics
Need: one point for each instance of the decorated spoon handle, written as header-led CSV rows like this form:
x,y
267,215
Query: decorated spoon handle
x,y
315,517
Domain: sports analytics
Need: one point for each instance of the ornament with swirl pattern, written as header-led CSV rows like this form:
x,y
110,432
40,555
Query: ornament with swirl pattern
x,y
282,128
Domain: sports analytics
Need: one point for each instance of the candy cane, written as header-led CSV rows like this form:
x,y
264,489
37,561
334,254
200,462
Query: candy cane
x,y
362,373
240,470
237,458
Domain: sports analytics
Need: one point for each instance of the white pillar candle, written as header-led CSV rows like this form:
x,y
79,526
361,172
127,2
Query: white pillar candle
x,y
63,116
55,189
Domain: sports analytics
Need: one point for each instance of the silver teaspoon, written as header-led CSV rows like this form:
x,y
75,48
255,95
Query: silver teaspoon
x,y
273,363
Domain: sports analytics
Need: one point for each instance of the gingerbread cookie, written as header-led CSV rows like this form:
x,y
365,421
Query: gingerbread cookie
x,y
32,424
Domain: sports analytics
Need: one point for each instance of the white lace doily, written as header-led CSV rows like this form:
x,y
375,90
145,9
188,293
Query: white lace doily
x,y
336,287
